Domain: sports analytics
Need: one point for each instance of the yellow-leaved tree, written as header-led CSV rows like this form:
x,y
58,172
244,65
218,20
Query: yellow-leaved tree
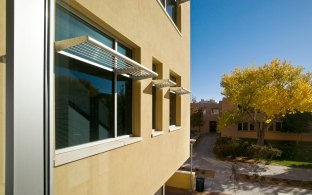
x,y
265,94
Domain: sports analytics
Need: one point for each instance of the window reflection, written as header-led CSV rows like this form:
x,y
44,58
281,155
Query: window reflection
x,y
171,9
67,25
83,102
124,105
124,50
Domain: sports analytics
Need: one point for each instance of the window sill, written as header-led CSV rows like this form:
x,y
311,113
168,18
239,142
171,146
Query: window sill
x,y
156,133
68,155
174,128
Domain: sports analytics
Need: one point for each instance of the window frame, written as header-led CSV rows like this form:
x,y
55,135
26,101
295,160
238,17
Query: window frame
x,y
174,110
279,126
157,101
174,23
173,127
85,19
154,101
76,152
241,126
175,9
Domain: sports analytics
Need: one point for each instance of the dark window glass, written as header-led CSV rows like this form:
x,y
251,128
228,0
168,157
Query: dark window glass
x,y
67,25
173,78
154,100
154,68
271,127
124,50
240,126
124,105
154,104
171,8
278,126
163,2
83,102
172,109
251,127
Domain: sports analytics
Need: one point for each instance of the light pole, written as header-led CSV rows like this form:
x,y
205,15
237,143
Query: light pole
x,y
192,141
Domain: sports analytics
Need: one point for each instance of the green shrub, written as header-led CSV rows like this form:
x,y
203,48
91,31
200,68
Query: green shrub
x,y
263,152
293,151
225,147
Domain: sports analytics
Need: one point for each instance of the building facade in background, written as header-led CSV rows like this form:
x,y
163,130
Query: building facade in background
x,y
94,95
211,111
246,129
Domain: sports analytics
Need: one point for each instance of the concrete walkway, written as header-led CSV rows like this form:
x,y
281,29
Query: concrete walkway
x,y
224,181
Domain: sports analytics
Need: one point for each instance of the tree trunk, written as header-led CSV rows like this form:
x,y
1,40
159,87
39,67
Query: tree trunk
x,y
260,137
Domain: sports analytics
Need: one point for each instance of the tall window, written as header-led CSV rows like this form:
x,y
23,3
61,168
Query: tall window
x,y
173,104
173,99
171,8
91,103
154,102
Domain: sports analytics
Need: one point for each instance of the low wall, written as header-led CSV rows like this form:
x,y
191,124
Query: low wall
x,y
181,180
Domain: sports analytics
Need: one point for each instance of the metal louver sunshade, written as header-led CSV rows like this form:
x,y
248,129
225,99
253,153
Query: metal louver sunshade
x,y
91,51
163,83
179,90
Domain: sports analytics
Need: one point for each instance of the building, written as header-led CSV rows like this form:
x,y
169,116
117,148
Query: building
x,y
211,111
94,95
246,129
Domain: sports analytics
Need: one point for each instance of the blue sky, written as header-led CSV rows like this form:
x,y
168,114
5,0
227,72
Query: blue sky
x,y
237,33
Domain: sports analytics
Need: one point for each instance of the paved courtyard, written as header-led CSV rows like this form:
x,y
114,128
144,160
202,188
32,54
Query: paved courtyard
x,y
222,181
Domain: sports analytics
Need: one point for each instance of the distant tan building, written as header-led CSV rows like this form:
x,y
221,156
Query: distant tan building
x,y
247,130
211,111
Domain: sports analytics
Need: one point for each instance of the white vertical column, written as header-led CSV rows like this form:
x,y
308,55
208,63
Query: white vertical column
x,y
26,60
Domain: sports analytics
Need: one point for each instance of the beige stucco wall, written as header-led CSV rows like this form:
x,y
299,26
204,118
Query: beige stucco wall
x,y
2,96
140,168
